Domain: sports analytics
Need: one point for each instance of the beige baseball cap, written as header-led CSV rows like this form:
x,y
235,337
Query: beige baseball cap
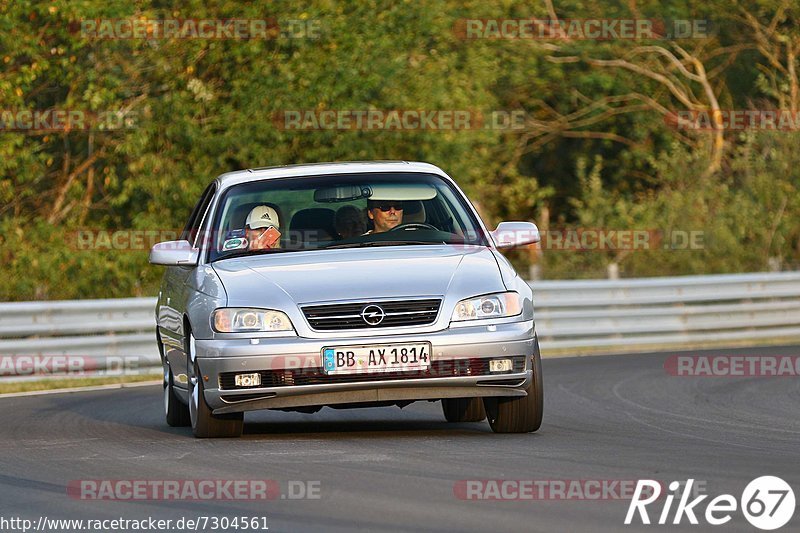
x,y
262,216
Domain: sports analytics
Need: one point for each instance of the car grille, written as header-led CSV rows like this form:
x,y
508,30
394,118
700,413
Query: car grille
x,y
315,375
398,313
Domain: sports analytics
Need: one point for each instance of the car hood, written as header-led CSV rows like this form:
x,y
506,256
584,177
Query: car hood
x,y
278,280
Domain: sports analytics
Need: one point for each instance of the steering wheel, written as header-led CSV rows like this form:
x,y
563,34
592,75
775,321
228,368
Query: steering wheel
x,y
413,225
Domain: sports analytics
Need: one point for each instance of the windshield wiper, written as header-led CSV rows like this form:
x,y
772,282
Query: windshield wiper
x,y
377,243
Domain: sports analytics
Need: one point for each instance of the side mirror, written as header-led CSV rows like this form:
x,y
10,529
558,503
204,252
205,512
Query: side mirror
x,y
174,253
512,234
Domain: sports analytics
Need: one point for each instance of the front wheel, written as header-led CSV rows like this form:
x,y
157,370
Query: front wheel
x,y
205,424
177,412
519,414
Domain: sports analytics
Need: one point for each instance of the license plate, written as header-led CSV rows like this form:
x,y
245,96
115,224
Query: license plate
x,y
376,358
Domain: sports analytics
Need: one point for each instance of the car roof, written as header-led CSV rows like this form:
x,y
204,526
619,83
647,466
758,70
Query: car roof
x,y
317,169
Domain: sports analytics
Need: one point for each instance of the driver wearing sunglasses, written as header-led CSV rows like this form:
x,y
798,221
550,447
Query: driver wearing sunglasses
x,y
384,214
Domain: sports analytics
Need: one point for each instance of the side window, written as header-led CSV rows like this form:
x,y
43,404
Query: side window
x,y
189,233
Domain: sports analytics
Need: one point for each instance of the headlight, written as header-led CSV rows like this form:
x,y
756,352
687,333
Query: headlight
x,y
243,320
490,306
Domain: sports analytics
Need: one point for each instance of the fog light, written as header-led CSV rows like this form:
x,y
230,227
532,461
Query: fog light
x,y
500,365
248,380
287,378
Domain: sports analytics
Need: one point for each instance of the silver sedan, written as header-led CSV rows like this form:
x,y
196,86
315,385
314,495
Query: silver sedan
x,y
344,285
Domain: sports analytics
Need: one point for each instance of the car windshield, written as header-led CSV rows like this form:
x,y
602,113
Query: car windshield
x,y
341,211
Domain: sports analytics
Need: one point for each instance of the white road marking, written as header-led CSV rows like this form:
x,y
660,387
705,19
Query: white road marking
x,y
81,389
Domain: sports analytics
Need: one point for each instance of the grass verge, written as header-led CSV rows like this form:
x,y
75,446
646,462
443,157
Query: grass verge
x,y
68,382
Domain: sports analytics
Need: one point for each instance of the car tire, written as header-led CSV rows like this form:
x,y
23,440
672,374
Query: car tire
x,y
463,409
177,412
519,414
205,424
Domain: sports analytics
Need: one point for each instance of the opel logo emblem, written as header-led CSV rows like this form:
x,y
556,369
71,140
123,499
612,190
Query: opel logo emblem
x,y
373,315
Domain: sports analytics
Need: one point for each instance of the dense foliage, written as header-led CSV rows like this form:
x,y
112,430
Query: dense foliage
x,y
599,148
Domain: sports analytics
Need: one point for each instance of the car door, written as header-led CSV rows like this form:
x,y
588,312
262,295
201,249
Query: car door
x,y
175,294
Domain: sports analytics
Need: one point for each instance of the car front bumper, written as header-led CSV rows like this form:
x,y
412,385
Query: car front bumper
x,y
216,357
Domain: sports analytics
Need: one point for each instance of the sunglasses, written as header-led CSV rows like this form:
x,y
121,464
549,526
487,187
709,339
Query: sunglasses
x,y
386,206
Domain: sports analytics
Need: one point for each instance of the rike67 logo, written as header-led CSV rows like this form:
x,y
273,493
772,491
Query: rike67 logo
x,y
767,502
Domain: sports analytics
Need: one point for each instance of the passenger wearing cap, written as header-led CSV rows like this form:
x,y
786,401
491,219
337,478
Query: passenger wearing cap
x,y
262,228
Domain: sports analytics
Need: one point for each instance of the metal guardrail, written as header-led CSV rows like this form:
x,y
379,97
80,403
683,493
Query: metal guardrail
x,y
628,314
579,315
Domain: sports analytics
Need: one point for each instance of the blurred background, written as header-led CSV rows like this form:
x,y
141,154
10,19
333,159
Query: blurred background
x,y
618,133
